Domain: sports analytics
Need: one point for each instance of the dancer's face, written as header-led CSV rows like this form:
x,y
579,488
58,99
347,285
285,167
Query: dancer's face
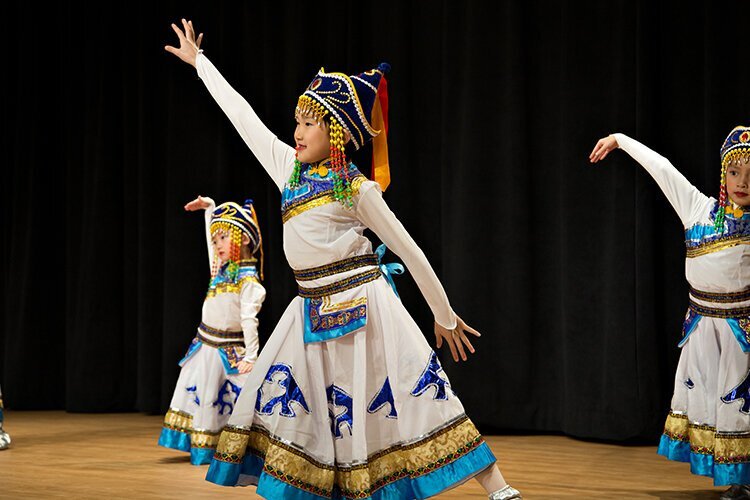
x,y
738,183
311,138
221,242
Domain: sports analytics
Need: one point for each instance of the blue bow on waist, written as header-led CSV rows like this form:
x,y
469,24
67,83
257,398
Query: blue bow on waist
x,y
389,270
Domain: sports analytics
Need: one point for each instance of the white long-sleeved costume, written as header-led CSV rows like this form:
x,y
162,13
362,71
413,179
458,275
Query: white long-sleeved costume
x,y
209,382
4,437
346,379
709,424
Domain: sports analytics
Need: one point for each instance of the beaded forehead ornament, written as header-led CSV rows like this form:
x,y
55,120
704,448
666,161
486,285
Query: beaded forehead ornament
x,y
356,106
735,150
234,220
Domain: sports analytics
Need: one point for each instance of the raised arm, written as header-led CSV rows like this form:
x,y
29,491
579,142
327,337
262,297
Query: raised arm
x,y
207,204
688,202
375,214
276,157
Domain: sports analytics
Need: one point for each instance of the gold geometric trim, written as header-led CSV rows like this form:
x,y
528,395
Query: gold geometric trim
x,y
337,267
721,297
718,312
231,287
716,246
177,420
204,439
702,439
324,198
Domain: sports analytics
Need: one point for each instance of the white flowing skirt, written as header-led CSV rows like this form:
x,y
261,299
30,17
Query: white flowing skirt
x,y
201,405
367,414
709,423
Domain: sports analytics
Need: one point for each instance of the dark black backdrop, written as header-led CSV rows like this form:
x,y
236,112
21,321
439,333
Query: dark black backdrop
x,y
573,273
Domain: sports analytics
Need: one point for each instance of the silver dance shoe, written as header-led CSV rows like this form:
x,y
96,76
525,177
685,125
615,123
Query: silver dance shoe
x,y
507,492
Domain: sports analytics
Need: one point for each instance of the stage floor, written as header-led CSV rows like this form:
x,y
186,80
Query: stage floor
x,y
64,455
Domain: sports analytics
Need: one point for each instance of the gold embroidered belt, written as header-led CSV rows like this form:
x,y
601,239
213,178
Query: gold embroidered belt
x,y
730,304
721,297
341,266
228,338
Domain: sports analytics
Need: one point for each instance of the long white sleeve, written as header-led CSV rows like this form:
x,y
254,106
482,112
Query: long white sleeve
x,y
375,214
276,157
688,202
251,300
207,216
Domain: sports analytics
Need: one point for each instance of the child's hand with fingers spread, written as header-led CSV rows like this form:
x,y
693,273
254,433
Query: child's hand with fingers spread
x,y
189,46
456,338
200,203
602,148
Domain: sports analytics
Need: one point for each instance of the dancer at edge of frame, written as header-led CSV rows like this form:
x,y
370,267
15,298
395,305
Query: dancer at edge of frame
x,y
709,422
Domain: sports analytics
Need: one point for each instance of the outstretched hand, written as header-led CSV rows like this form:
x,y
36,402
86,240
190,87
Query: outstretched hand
x,y
189,46
602,148
200,203
456,338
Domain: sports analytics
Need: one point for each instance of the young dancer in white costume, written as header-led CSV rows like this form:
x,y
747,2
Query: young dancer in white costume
x,y
225,347
347,399
709,424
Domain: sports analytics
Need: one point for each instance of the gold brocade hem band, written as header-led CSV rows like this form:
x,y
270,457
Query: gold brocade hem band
x,y
293,466
340,286
204,439
726,447
337,267
721,297
676,427
717,312
323,198
716,246
178,420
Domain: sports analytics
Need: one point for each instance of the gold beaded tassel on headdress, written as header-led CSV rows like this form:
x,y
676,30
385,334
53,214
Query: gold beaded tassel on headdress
x,y
342,188
260,241
734,157
235,247
306,106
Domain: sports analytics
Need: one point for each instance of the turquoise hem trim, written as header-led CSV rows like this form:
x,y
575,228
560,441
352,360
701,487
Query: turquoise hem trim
x,y
727,474
229,474
396,490
201,456
679,451
223,473
739,334
331,333
454,473
270,487
702,465
174,439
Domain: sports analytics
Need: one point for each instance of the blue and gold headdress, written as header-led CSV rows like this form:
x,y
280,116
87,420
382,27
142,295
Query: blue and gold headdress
x,y
356,106
736,149
236,220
